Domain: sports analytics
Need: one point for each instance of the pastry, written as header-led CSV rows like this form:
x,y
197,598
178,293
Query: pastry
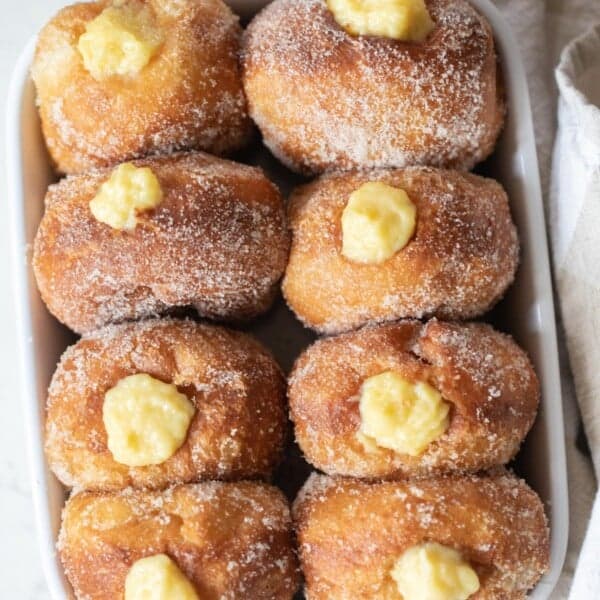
x,y
387,244
144,237
407,399
165,401
121,79
341,84
191,542
481,538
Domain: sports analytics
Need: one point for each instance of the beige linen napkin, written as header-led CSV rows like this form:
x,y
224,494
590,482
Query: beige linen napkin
x,y
576,221
576,243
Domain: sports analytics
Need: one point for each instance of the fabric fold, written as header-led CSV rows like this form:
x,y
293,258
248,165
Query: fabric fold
x,y
575,228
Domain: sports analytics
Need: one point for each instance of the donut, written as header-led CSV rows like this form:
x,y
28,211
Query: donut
x,y
117,80
116,392
476,537
460,256
325,99
407,400
224,540
213,236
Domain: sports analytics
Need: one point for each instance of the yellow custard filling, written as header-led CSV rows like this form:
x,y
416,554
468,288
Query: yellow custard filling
x,y
401,415
158,578
378,221
128,191
405,20
431,571
146,420
121,40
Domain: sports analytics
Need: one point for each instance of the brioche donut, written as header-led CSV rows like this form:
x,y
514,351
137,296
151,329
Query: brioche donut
x,y
237,391
489,398
217,240
460,259
356,539
230,540
328,100
188,94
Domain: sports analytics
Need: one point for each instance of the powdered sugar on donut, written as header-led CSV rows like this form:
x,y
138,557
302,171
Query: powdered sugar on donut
x,y
461,259
237,389
351,533
188,97
324,99
232,539
218,241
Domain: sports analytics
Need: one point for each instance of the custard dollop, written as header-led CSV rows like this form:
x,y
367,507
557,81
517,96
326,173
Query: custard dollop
x,y
430,571
400,415
378,221
146,420
158,578
121,40
128,191
405,20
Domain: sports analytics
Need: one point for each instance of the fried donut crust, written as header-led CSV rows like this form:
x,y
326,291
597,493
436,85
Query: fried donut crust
x,y
218,241
485,377
232,540
189,96
238,391
350,533
326,100
458,264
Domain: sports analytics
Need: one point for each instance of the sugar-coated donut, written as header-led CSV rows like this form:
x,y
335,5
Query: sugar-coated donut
x,y
188,96
351,534
462,257
236,388
327,100
231,540
486,379
217,240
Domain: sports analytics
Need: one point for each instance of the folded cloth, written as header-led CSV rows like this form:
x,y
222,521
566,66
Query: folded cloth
x,y
543,28
576,221
575,224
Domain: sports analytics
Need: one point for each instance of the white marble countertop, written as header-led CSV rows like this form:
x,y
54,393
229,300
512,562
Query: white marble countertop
x,y
21,576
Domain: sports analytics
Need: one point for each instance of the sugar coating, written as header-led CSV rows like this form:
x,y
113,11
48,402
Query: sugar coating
x,y
460,260
232,539
325,99
487,380
237,389
217,241
494,520
188,96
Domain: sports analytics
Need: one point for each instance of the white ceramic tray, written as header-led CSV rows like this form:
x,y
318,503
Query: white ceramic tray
x,y
527,311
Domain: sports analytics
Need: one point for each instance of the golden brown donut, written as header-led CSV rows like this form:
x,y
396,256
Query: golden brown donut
x,y
326,100
218,241
459,262
486,378
188,96
351,533
232,540
237,389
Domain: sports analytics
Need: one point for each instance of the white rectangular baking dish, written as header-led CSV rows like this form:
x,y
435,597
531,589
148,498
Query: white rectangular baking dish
x,y
527,311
